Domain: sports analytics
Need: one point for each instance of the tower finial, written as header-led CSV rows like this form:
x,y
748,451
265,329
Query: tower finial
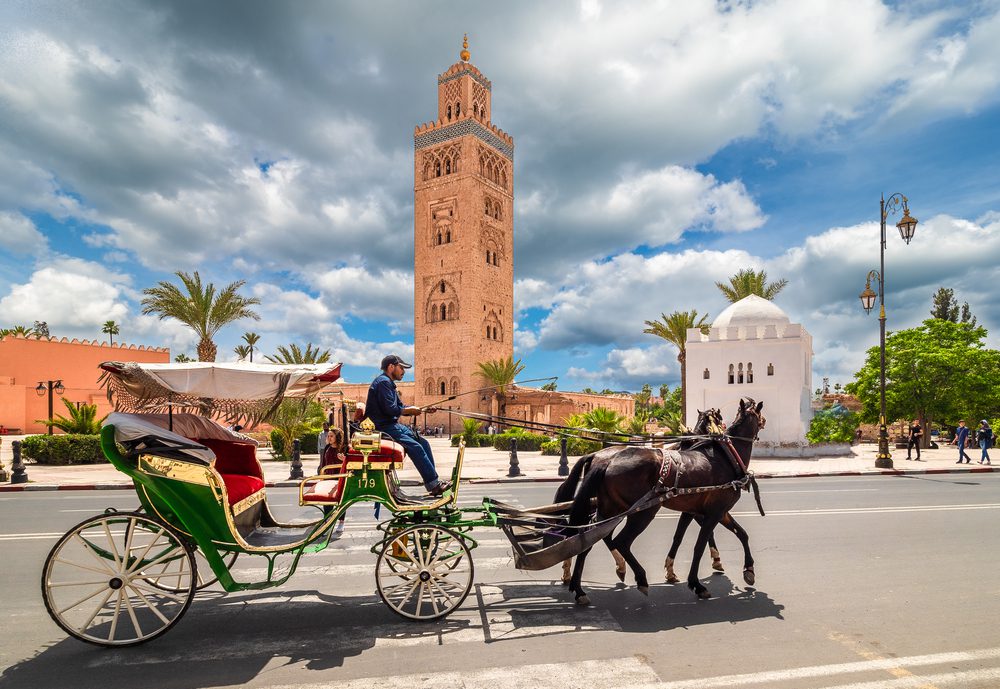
x,y
465,55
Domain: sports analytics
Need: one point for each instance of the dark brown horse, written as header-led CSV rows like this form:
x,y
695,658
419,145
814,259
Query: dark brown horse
x,y
619,477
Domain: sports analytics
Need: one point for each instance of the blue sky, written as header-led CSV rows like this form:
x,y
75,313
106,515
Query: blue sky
x,y
660,147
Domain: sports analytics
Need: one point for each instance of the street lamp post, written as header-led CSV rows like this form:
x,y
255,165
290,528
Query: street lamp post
x,y
50,385
907,226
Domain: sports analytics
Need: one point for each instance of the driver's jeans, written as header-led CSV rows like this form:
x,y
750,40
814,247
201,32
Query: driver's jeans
x,y
417,449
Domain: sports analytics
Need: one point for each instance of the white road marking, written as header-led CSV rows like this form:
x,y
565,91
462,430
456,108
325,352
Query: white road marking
x,y
770,677
873,510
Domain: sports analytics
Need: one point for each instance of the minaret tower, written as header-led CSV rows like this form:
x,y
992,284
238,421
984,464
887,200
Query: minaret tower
x,y
463,203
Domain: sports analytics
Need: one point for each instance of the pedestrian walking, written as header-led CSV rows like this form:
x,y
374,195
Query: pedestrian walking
x,y
985,438
321,442
913,441
961,439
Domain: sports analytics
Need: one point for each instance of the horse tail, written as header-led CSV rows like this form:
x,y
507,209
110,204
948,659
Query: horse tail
x,y
756,493
567,488
582,508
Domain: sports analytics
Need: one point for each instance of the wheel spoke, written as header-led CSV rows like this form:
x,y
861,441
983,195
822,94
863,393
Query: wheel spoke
x,y
103,582
131,613
427,585
159,592
92,594
90,549
114,547
152,607
114,618
444,593
85,567
169,555
100,605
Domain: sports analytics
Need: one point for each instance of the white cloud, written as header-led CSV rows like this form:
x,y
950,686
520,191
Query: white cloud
x,y
20,236
74,297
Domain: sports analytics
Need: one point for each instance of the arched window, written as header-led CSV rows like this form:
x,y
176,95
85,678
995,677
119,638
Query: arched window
x,y
487,332
437,169
749,373
439,239
444,312
429,388
451,310
732,378
475,109
496,261
706,375
770,369
495,333
442,287
739,374
454,386
447,166
447,237
458,110
449,113
443,388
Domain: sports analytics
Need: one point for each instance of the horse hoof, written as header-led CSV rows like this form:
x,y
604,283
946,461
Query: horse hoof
x,y
621,574
672,579
583,600
748,577
717,566
644,590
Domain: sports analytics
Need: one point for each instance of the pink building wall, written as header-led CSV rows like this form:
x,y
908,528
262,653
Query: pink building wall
x,y
26,361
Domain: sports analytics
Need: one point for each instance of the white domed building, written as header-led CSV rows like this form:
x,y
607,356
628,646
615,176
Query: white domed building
x,y
754,350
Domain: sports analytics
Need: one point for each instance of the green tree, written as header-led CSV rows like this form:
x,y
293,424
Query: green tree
x,y
80,420
251,339
589,391
550,386
938,371
603,419
199,307
749,281
664,391
835,424
945,307
642,398
242,352
110,328
500,373
293,354
673,329
293,418
41,329
22,330
183,359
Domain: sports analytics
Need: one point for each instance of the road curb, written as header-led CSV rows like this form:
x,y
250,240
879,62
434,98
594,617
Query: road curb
x,y
36,487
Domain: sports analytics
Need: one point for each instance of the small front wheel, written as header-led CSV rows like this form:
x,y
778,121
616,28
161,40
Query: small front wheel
x,y
424,572
118,579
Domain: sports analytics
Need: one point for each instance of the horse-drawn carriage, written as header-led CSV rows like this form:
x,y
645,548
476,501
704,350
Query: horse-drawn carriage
x,y
122,578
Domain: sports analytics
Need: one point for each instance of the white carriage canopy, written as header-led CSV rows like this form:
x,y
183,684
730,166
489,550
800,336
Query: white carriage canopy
x,y
238,392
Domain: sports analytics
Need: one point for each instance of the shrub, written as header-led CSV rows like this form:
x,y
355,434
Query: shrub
x,y
574,447
832,425
473,439
61,450
529,442
277,444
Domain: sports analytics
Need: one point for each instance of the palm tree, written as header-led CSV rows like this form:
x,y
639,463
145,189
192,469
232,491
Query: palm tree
x,y
242,352
673,329
603,419
292,354
110,329
293,418
749,281
500,373
200,308
183,359
21,330
251,339
81,420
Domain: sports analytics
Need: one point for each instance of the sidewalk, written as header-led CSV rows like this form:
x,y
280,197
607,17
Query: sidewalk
x,y
486,465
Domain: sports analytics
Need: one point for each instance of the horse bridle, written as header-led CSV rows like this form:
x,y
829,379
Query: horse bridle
x,y
761,422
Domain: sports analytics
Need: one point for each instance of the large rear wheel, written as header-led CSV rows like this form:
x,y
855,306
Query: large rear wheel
x,y
424,572
118,579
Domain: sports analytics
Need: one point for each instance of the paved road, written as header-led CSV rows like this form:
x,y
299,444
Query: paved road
x,y
861,582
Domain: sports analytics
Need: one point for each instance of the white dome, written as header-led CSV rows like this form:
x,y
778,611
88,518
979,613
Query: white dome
x,y
752,310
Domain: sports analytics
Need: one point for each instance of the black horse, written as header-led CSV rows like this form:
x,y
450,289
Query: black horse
x,y
709,422
619,477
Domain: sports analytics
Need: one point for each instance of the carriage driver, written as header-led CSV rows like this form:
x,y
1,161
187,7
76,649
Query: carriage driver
x,y
384,408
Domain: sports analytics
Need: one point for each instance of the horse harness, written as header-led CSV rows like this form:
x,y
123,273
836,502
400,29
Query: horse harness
x,y
670,473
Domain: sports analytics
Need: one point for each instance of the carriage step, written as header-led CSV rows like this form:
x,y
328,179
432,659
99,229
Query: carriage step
x,y
263,537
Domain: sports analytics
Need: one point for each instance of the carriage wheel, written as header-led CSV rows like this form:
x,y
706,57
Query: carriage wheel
x,y
118,580
424,572
205,575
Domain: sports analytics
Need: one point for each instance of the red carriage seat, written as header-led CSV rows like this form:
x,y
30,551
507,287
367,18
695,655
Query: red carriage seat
x,y
237,463
331,490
